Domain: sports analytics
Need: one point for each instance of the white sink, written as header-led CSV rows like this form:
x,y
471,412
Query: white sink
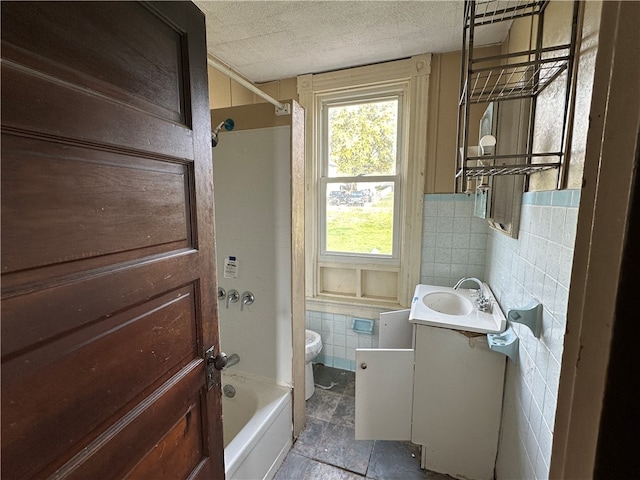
x,y
448,302
455,309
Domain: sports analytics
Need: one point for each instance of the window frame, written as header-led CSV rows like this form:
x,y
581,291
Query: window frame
x,y
411,75
357,96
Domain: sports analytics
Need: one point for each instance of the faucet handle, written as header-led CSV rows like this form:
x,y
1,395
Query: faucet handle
x,y
483,303
232,296
247,298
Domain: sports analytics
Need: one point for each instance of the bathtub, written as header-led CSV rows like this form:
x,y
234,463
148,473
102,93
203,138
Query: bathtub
x,y
257,425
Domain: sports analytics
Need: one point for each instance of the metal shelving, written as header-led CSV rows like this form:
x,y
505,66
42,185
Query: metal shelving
x,y
516,75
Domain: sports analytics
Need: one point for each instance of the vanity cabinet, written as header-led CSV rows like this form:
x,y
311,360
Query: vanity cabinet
x,y
444,394
457,402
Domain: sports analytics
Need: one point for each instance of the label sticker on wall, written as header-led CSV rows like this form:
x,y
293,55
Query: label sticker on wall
x,y
230,267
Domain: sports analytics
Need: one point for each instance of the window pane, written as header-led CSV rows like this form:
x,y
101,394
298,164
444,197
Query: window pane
x,y
362,139
359,218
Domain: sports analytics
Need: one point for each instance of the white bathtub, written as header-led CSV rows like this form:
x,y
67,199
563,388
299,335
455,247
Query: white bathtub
x,y
257,427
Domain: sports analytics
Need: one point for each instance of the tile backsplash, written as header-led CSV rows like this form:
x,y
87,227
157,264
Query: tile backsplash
x,y
454,242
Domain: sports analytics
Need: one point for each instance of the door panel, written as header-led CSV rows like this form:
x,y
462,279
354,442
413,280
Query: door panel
x,y
105,194
140,66
396,331
108,266
384,394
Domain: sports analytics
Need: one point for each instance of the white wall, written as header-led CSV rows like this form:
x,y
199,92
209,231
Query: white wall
x,y
252,176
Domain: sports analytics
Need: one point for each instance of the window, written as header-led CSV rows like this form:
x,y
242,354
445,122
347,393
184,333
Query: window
x,y
361,162
366,148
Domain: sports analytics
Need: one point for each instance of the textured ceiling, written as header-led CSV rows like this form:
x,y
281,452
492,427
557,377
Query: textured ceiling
x,y
271,40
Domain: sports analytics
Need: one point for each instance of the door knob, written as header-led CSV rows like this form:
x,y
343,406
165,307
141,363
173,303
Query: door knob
x,y
363,366
213,362
219,361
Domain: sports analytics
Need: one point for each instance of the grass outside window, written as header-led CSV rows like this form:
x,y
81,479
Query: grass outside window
x,y
367,229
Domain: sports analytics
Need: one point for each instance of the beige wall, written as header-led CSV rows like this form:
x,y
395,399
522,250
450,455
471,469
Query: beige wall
x,y
557,30
444,91
224,92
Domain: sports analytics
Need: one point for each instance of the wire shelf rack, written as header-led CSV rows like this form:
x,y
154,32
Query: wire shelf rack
x,y
501,170
516,80
493,11
511,76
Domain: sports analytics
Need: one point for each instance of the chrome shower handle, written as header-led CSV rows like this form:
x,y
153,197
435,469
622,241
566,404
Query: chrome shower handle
x,y
247,299
232,296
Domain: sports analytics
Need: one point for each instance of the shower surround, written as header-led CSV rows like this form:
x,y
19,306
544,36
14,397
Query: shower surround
x,y
252,190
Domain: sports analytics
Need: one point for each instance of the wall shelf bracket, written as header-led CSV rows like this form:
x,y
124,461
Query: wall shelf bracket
x,y
529,315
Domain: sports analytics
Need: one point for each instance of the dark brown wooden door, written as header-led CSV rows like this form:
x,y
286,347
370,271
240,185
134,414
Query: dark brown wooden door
x,y
108,273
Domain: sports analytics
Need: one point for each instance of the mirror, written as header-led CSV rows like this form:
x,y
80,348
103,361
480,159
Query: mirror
x,y
498,198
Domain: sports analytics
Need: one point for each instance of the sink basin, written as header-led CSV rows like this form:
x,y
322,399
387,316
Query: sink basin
x,y
449,303
455,309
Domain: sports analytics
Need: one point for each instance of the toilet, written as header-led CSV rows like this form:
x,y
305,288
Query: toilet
x,y
312,347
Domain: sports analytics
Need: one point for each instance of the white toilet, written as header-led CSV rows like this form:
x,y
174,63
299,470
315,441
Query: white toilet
x,y
312,347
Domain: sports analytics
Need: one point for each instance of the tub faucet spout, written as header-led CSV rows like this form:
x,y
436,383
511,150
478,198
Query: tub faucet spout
x,y
482,302
232,360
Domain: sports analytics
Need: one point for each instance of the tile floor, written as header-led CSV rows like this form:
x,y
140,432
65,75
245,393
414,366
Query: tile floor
x,y
327,450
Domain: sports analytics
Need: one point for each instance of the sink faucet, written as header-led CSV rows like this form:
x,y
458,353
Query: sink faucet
x,y
482,302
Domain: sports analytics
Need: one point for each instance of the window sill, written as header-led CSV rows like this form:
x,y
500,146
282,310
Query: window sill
x,y
366,308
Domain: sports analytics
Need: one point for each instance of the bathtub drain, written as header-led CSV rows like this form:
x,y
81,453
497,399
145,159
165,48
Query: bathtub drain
x,y
229,391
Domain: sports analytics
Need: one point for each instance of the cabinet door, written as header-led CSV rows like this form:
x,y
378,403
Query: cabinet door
x,y
384,393
396,331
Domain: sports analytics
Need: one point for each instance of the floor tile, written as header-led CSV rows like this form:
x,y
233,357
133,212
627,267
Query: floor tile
x,y
326,376
327,449
299,467
395,460
340,448
350,389
322,404
345,412
293,467
311,437
322,471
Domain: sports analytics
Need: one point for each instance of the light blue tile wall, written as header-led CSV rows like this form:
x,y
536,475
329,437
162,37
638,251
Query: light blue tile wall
x,y
339,340
536,265
454,241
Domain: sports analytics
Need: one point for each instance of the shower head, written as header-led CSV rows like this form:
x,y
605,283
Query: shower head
x,y
228,125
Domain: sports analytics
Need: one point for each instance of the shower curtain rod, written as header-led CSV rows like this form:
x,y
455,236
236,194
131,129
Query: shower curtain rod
x,y
281,108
